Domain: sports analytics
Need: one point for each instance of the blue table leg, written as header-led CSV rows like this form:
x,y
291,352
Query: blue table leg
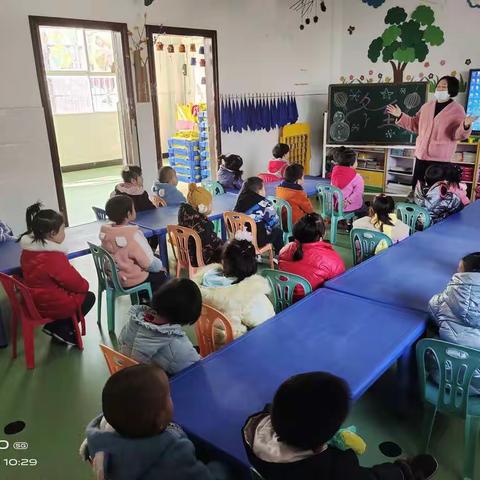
x,y
406,375
162,245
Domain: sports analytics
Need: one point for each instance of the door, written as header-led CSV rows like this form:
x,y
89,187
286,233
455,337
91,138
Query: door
x,y
184,85
85,81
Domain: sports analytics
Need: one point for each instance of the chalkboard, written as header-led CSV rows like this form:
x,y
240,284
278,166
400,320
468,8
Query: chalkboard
x,y
357,116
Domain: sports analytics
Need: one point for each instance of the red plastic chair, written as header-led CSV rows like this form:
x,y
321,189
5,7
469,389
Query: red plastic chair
x,y
116,361
24,311
205,329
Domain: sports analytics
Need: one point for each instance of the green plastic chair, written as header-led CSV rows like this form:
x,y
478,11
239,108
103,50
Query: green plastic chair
x,y
283,286
282,208
411,214
215,188
255,475
456,366
365,242
100,214
108,281
331,199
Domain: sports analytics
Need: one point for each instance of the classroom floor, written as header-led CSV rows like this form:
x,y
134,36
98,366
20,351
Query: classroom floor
x,y
63,393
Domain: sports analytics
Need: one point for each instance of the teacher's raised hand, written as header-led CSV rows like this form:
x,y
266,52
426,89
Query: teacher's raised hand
x,y
394,110
467,123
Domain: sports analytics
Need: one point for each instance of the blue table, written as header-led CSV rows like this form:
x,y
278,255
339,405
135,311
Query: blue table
x,y
158,219
411,272
310,185
326,331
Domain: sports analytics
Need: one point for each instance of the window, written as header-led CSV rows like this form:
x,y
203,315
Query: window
x,y
80,67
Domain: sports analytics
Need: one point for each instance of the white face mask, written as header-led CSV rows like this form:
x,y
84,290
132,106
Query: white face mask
x,y
442,95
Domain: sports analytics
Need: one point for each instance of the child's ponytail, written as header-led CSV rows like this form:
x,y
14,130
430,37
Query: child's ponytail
x,y
41,223
298,255
32,211
308,229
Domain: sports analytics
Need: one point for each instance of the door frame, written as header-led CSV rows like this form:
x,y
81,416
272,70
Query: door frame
x,y
192,32
35,23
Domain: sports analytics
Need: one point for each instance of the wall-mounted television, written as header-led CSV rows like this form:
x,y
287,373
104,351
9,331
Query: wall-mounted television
x,y
473,98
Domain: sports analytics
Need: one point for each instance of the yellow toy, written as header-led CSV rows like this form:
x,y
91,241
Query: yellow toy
x,y
347,438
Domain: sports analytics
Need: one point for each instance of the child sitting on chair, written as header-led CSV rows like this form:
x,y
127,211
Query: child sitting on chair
x,y
346,178
251,201
277,166
128,246
135,437
455,184
229,174
435,194
308,255
194,215
154,334
292,439
234,288
382,219
57,289
292,191
133,187
166,187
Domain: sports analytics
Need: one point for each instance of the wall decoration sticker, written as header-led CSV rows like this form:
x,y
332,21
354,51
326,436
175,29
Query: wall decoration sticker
x,y
474,3
406,40
306,8
374,3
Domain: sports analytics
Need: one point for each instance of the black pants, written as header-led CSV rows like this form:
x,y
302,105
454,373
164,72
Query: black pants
x,y
156,280
421,167
276,239
65,324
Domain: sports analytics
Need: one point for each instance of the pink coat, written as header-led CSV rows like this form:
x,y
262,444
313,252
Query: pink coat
x,y
353,194
437,136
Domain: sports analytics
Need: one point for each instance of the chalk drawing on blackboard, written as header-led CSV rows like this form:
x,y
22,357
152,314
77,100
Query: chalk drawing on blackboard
x,y
389,133
340,99
412,100
367,118
340,130
403,91
355,127
355,95
386,94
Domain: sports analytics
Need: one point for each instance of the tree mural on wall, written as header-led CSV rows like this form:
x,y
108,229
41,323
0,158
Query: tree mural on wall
x,y
406,40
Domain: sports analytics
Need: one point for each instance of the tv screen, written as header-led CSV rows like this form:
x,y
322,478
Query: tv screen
x,y
473,99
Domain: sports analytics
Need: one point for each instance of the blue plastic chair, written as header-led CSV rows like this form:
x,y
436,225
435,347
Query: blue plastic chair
x,y
365,242
413,215
331,199
108,281
283,287
215,188
284,212
456,366
100,213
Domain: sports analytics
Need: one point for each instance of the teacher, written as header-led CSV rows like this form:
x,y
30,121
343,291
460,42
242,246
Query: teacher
x,y
439,124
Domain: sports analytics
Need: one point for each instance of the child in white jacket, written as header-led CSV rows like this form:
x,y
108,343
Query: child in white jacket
x,y
235,289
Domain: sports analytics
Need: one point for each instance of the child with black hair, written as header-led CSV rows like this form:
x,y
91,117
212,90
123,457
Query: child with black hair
x,y
133,187
154,333
277,166
290,440
128,246
382,219
251,201
57,289
346,178
455,184
292,191
166,187
434,194
234,287
229,173
135,437
308,255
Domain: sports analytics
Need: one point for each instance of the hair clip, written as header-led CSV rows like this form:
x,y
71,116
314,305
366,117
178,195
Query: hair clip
x,y
244,235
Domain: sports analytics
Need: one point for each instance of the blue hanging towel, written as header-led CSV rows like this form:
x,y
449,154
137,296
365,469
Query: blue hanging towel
x,y
244,114
265,115
224,124
283,112
250,114
292,109
255,116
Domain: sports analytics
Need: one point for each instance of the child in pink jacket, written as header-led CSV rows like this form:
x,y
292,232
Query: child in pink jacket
x,y
128,246
455,184
346,178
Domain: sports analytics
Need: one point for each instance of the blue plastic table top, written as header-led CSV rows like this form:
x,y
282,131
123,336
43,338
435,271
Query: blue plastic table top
x,y
309,185
76,239
158,219
411,272
326,331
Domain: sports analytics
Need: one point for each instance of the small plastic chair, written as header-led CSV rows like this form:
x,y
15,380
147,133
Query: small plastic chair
x,y
100,214
116,361
412,214
205,329
331,199
108,281
158,201
283,285
179,239
456,366
235,221
255,475
25,312
365,242
284,212
215,188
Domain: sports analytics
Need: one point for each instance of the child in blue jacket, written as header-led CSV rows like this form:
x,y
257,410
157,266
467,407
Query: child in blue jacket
x,y
166,187
135,438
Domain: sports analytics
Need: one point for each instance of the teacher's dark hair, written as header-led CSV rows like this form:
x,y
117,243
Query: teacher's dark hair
x,y
453,85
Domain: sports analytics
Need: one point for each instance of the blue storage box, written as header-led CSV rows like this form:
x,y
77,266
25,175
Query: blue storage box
x,y
189,179
204,145
183,142
205,154
203,114
181,160
204,134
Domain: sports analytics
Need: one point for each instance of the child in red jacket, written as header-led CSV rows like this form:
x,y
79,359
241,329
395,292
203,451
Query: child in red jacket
x,y
309,256
57,289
